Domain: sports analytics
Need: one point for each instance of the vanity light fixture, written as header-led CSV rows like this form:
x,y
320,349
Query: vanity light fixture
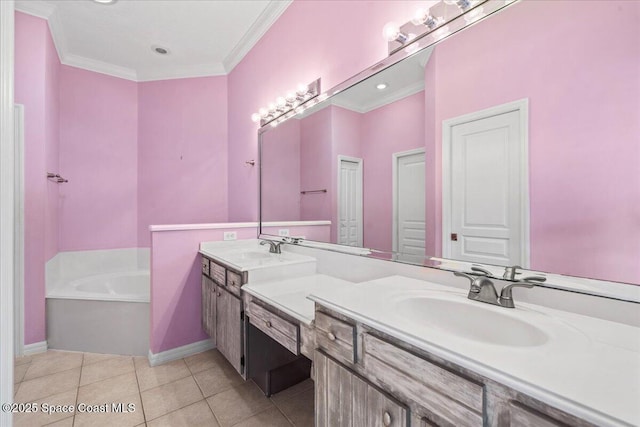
x,y
294,102
381,86
438,21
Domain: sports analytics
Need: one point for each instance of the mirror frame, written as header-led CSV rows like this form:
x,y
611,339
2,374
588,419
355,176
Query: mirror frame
x,y
621,291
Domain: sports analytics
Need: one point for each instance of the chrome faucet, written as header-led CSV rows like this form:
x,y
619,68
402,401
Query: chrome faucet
x,y
274,247
483,290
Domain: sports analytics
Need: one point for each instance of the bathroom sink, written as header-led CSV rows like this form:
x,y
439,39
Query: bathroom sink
x,y
253,255
471,320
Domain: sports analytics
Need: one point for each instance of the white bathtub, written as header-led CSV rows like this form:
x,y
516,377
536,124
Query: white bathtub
x,y
126,286
98,301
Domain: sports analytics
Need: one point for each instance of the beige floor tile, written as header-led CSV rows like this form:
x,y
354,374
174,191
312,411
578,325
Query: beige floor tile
x,y
42,418
299,408
292,391
109,390
106,369
217,379
238,403
205,360
67,422
48,385
55,361
149,378
169,397
269,418
111,418
21,360
196,415
141,362
90,358
18,372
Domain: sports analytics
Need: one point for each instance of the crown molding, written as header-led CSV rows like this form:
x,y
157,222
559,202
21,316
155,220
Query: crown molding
x,y
35,7
382,101
98,66
183,72
268,16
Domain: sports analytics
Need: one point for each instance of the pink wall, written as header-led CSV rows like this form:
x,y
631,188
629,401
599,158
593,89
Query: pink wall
x,y
311,39
315,166
98,154
582,86
36,69
175,276
389,129
281,172
182,157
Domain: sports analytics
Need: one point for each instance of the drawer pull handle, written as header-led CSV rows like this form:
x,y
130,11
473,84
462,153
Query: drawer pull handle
x,y
267,324
386,419
331,336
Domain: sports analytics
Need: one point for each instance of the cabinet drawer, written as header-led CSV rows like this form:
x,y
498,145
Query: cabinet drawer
x,y
336,337
205,266
234,282
450,397
217,273
525,417
281,330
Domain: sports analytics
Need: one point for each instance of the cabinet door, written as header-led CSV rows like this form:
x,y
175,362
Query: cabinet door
x,y
209,307
344,399
229,328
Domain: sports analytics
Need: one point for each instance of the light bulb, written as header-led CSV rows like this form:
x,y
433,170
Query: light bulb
x,y
419,17
263,112
272,107
391,32
281,102
301,89
291,97
255,117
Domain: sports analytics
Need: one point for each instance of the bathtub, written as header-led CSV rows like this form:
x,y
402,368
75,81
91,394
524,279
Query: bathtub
x,y
98,301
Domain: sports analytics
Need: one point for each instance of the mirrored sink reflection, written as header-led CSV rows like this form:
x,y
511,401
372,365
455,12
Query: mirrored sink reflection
x,y
471,320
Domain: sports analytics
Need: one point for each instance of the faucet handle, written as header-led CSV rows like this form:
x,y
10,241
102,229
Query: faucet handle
x,y
534,279
511,272
472,280
481,271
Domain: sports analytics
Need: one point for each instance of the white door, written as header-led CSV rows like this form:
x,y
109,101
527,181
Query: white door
x,y
409,206
487,218
349,201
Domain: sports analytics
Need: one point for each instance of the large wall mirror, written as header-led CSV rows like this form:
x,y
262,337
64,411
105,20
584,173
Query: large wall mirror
x,y
513,142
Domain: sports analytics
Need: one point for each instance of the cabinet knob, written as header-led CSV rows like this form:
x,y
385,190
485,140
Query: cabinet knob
x,y
331,336
219,294
386,419
267,324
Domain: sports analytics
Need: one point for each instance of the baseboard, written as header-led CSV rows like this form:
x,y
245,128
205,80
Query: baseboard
x,y
179,352
35,348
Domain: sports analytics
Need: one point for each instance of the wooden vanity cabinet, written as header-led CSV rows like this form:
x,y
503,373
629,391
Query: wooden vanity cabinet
x,y
345,399
364,377
223,311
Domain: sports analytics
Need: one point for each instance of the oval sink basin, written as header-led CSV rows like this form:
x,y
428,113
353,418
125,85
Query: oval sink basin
x,y
471,320
255,255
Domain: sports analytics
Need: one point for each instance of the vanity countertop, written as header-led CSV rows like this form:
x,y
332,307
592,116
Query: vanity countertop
x,y
248,255
587,367
290,295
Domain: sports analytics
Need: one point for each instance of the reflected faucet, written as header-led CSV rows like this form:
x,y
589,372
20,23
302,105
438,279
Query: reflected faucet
x,y
483,290
274,247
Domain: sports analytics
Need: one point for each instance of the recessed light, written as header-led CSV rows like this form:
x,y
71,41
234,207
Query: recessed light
x,y
381,86
160,50
105,1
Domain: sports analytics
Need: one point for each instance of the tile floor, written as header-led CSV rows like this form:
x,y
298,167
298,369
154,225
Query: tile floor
x,y
199,390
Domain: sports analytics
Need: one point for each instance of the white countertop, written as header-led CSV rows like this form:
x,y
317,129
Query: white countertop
x,y
248,255
589,367
290,295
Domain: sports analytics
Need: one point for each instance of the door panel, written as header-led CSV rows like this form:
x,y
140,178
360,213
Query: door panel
x,y
229,327
410,207
485,190
350,203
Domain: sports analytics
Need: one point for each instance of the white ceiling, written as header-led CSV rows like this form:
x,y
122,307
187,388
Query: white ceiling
x,y
402,79
204,37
